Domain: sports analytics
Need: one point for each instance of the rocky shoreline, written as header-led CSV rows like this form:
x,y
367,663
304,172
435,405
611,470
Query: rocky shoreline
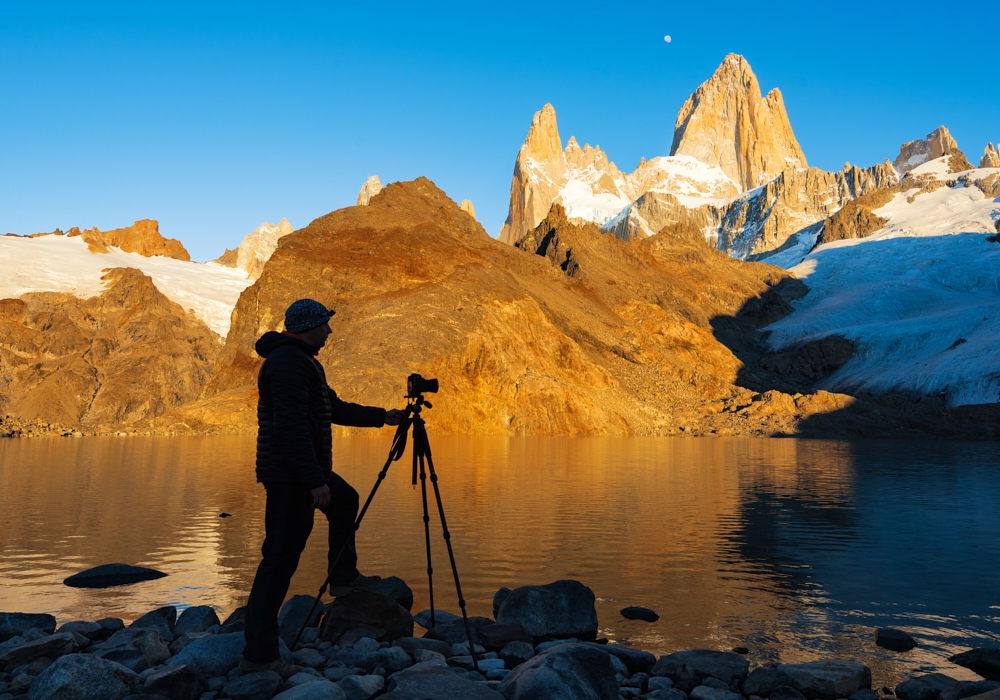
x,y
541,644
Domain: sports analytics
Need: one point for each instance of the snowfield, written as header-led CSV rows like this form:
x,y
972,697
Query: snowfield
x,y
920,299
62,264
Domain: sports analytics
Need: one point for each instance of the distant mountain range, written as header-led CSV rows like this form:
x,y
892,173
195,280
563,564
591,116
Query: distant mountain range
x,y
726,288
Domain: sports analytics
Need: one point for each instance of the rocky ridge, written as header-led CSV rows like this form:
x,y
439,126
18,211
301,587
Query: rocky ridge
x,y
991,157
142,237
938,143
256,248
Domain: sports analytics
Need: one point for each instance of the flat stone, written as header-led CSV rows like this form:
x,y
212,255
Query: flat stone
x,y
437,683
320,690
423,618
362,687
16,624
212,656
132,659
261,685
366,614
174,682
565,672
454,632
397,589
827,680
83,677
108,575
516,653
556,610
198,618
985,662
148,641
496,637
894,639
90,630
687,669
52,647
411,644
162,620
634,612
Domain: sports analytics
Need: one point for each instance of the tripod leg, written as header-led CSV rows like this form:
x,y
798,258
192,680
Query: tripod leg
x,y
427,533
421,443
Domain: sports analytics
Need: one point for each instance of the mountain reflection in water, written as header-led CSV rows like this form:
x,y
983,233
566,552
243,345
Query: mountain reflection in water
x,y
797,549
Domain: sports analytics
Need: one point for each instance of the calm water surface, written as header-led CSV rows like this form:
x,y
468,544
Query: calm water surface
x,y
797,549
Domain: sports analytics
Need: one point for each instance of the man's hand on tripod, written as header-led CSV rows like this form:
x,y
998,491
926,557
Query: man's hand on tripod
x,y
394,416
321,496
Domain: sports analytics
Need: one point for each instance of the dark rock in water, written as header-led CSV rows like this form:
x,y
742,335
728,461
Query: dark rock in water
x,y
516,653
454,632
51,647
253,686
82,677
634,612
784,692
16,624
148,641
496,637
565,672
688,669
893,639
438,683
108,575
235,622
90,630
365,614
396,588
162,620
554,611
886,690
742,651
196,619
985,662
174,682
966,689
498,598
212,656
225,515
635,660
423,618
293,614
411,644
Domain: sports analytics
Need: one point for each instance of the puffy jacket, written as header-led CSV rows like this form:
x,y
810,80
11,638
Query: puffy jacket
x,y
294,413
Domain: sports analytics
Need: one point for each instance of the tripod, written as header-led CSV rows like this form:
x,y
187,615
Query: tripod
x,y
423,464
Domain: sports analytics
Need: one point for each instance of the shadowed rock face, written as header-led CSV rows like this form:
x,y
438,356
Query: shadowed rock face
x,y
116,358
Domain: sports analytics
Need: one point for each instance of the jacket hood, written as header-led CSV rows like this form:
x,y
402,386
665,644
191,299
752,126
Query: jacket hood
x,y
272,340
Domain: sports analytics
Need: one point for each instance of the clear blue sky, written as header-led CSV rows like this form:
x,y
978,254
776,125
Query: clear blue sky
x,y
214,118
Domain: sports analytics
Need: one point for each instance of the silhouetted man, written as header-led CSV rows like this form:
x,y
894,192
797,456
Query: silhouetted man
x,y
294,462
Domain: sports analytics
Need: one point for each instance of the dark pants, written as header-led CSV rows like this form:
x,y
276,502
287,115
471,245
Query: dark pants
x,y
288,520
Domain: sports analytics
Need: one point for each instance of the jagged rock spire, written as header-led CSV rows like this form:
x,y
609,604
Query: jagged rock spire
x,y
913,153
368,190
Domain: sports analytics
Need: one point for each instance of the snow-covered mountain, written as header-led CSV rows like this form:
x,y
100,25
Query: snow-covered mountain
x,y
255,249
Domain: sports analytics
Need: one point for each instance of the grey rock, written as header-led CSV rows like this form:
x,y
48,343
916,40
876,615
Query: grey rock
x,y
308,657
516,653
216,683
236,621
636,660
498,598
181,642
706,692
15,641
90,630
392,658
545,646
411,644
497,674
556,610
320,690
366,645
362,687
52,647
365,614
148,641
894,639
659,683
261,685
967,689
212,656
765,679
985,662
423,618
83,677
634,612
397,589
426,655
619,667
827,680
666,694
568,671
16,624
162,620
454,632
301,679
108,575
132,659
436,683
915,689
715,683
462,649
110,625
34,634
174,682
199,618
688,669
496,637
336,674
863,694
784,692
293,614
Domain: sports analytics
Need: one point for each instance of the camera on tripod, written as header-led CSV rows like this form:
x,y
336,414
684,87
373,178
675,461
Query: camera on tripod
x,y
417,385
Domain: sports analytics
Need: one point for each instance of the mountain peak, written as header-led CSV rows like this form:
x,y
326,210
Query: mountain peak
x,y
543,142
914,153
727,123
371,188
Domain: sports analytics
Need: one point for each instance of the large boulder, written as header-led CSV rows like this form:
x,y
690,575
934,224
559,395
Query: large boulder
x,y
924,687
817,680
454,632
147,641
437,683
51,647
212,656
16,624
496,637
162,620
565,672
985,662
83,677
294,612
90,630
968,689
688,669
320,690
108,575
365,614
397,589
554,611
174,682
197,618
253,686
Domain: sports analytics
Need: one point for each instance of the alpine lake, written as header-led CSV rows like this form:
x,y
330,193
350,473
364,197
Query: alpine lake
x,y
796,549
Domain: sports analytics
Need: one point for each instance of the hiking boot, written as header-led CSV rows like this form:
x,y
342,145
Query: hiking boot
x,y
360,582
284,670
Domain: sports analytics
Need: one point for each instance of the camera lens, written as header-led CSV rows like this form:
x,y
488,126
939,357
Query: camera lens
x,y
415,384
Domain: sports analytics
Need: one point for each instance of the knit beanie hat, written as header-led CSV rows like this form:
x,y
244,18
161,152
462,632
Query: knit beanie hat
x,y
305,314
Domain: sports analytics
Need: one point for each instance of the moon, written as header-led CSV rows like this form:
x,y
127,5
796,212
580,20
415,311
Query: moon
x,y
667,38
